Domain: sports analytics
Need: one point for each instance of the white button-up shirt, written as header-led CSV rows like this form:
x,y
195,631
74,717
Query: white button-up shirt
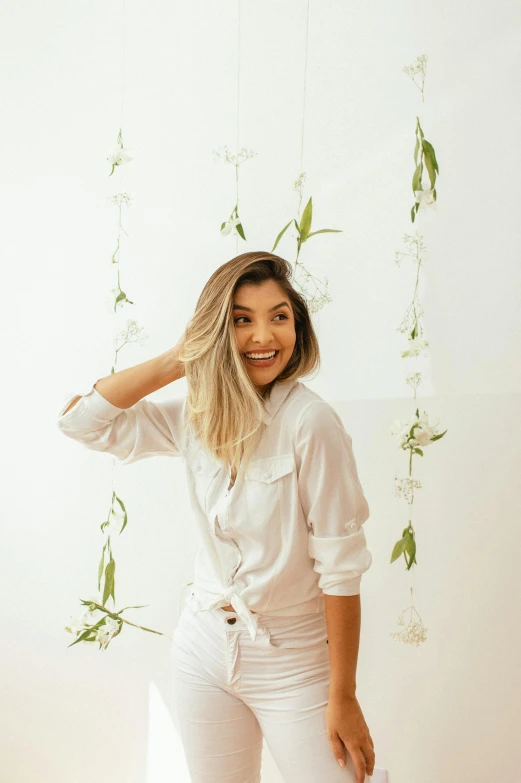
x,y
286,533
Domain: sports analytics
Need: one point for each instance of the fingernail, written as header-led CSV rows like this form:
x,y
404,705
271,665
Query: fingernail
x,y
341,762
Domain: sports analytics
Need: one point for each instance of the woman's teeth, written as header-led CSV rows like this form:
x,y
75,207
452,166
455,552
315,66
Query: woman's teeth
x,y
260,357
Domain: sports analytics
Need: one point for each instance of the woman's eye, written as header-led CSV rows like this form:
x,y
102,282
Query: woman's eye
x,y
285,317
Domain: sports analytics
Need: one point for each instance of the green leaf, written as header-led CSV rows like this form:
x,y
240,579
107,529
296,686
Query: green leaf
x,y
143,606
411,551
240,231
108,589
124,512
416,148
429,149
437,437
305,221
280,236
325,230
101,563
429,164
398,549
83,637
410,547
416,179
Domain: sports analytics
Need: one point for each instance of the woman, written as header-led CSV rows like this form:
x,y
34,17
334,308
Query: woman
x,y
267,643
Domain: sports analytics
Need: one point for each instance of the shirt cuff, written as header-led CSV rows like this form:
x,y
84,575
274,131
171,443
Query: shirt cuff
x,y
352,587
98,405
340,562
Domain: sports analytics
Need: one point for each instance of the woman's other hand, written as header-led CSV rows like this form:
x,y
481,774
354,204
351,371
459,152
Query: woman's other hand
x,y
346,724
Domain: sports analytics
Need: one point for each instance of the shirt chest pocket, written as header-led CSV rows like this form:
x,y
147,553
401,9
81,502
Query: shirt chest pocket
x,y
266,480
204,471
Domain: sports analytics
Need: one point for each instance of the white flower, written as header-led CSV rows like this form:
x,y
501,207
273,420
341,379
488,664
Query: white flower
x,y
398,427
422,437
119,157
75,627
230,225
85,616
425,198
423,432
416,347
82,621
401,430
117,517
106,631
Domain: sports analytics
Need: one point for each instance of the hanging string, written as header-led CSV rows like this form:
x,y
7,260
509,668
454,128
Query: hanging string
x,y
120,169
238,114
304,90
123,64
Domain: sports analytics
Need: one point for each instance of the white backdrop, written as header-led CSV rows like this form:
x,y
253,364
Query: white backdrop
x,y
447,711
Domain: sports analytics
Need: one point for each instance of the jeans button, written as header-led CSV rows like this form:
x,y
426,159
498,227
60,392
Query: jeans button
x,y
231,620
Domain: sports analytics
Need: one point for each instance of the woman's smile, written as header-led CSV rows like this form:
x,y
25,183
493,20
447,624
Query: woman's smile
x,y
261,362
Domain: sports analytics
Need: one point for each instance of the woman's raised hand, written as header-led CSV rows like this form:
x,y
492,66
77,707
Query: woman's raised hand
x,y
174,352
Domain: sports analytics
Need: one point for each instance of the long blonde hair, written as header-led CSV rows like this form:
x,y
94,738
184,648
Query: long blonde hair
x,y
223,404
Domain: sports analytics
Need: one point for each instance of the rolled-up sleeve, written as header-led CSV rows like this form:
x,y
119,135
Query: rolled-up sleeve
x,y
332,500
146,429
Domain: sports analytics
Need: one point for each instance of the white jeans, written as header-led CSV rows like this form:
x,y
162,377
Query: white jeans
x,y
231,691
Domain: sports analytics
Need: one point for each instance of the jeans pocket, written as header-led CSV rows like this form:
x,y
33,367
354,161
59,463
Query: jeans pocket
x,y
304,632
184,621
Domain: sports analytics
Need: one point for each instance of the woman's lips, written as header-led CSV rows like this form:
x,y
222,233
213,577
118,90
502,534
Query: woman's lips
x,y
262,362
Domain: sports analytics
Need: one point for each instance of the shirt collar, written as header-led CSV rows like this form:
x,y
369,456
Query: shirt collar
x,y
278,394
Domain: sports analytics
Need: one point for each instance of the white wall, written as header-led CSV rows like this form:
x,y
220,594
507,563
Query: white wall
x,y
449,711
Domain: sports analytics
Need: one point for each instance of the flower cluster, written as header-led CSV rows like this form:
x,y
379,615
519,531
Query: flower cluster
x,y
415,432
88,627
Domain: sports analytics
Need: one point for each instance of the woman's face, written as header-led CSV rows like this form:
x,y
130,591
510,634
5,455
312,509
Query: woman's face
x,y
264,322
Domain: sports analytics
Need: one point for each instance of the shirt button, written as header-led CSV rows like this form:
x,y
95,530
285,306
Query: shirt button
x,y
353,526
267,475
231,620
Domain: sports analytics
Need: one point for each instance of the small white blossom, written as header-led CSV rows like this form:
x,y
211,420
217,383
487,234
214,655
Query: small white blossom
x,y
119,157
121,199
417,346
83,620
413,633
425,198
229,226
405,487
116,519
223,152
106,631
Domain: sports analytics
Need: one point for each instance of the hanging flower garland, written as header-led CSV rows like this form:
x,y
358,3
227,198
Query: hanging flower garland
x,y
416,433
96,623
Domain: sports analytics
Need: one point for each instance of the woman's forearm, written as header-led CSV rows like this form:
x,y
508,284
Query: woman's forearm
x,y
343,617
126,387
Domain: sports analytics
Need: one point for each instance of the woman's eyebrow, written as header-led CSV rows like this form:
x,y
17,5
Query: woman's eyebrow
x,y
250,310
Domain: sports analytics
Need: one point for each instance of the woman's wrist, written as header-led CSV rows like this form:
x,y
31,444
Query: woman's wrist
x,y
173,368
